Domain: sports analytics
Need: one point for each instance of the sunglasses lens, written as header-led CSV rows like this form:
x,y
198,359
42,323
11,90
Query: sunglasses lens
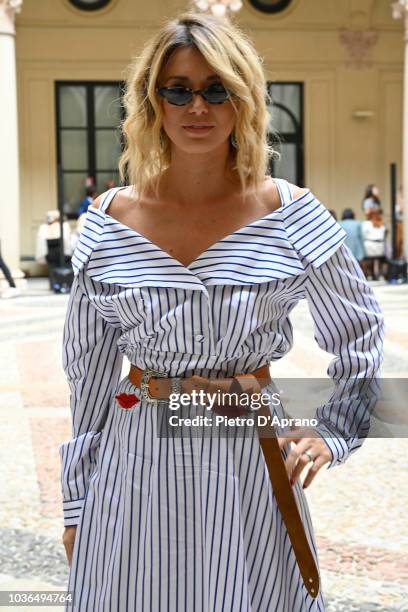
x,y
177,95
216,94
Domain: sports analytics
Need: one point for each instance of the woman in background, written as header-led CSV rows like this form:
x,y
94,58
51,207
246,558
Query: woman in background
x,y
354,238
371,198
374,233
50,230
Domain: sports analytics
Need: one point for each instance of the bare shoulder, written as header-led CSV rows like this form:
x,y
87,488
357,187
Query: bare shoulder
x,y
97,201
297,191
270,194
120,200
272,197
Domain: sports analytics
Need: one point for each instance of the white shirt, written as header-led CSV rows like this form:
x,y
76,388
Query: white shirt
x,y
374,239
45,232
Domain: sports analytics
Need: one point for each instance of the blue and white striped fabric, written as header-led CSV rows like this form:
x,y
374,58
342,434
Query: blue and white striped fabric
x,y
190,523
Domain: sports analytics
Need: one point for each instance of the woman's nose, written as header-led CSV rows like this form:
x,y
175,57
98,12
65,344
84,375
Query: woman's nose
x,y
198,102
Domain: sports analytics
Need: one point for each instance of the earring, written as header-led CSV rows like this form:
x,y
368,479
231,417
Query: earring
x,y
233,139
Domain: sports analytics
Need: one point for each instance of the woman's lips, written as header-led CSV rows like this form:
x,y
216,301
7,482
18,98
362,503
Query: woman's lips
x,y
198,130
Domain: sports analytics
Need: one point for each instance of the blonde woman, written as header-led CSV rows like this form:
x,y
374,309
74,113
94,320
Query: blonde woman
x,y
191,272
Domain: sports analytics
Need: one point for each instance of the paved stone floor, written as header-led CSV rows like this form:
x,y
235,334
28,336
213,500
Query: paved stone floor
x,y
359,509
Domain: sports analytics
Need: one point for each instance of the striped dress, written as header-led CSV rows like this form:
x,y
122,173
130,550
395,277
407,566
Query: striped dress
x,y
190,523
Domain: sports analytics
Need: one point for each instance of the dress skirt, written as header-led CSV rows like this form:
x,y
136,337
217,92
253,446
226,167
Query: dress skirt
x,y
184,523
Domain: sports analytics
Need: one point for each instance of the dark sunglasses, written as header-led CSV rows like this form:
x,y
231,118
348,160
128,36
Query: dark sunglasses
x,y
180,95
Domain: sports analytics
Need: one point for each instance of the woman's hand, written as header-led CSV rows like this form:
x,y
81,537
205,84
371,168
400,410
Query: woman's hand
x,y
68,539
296,460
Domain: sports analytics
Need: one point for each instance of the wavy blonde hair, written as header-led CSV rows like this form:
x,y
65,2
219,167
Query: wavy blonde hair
x,y
229,51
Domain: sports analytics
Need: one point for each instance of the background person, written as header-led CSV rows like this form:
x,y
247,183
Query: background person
x,y
50,230
399,223
12,290
91,194
109,184
354,239
374,233
371,198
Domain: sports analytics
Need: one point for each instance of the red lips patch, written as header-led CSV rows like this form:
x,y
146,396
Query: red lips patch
x,y
127,400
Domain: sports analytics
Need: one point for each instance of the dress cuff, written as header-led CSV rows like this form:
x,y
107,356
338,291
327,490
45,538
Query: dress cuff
x,y
336,443
72,512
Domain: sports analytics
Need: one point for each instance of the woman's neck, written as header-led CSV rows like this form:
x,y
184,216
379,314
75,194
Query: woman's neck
x,y
202,180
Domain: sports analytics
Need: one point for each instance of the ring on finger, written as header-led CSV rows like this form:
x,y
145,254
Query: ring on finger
x,y
310,455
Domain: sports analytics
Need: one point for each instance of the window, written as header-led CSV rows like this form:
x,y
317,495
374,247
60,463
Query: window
x,y
88,138
89,5
287,121
270,6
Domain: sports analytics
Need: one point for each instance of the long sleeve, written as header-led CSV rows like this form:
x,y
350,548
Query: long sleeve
x,y
348,323
92,364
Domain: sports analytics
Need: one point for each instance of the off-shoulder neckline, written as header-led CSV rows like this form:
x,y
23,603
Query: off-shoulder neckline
x,y
212,247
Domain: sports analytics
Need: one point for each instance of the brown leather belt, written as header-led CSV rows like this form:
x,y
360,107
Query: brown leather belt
x,y
155,386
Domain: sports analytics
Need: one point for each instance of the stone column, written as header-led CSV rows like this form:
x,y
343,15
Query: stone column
x,y
9,166
400,11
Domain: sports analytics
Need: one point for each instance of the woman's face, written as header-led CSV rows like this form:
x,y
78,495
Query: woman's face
x,y
375,190
189,63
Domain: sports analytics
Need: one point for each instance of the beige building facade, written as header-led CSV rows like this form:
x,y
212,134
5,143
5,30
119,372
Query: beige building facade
x,y
347,55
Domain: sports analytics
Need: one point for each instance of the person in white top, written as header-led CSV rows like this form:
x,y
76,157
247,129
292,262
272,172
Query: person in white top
x,y
374,233
51,230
